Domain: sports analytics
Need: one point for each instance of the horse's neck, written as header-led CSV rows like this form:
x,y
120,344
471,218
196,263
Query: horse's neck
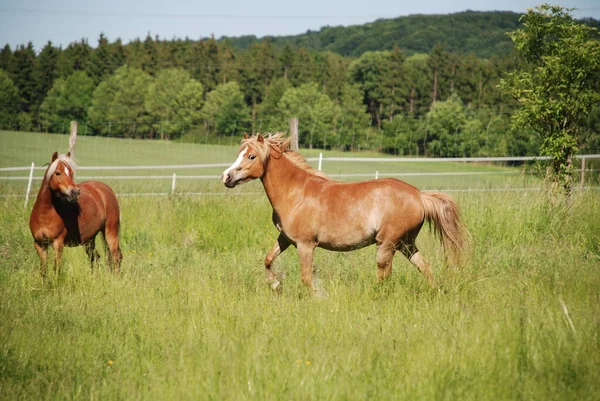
x,y
280,179
44,198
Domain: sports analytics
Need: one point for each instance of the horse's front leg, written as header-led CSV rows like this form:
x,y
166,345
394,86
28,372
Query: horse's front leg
x,y
58,246
280,245
42,251
306,251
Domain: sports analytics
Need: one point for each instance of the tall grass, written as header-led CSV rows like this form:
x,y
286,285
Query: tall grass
x,y
192,318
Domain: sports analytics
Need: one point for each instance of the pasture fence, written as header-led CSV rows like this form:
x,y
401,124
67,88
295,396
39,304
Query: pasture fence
x,y
320,161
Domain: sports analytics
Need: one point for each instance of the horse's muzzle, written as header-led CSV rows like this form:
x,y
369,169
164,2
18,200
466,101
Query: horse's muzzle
x,y
228,180
73,194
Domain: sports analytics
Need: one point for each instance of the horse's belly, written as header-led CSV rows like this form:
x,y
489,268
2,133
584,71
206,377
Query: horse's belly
x,y
347,241
345,247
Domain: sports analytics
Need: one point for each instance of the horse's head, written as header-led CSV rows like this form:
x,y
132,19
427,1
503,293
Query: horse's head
x,y
60,177
249,164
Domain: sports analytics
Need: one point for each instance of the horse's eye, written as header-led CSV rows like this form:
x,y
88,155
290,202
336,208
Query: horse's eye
x,y
252,157
57,173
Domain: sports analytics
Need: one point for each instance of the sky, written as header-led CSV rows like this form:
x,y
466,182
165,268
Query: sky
x,y
67,21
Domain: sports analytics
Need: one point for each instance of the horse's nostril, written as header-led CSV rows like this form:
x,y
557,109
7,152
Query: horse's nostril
x,y
228,178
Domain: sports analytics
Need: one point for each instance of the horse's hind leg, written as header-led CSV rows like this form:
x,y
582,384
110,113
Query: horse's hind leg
x,y
412,253
93,255
385,256
42,251
111,237
280,245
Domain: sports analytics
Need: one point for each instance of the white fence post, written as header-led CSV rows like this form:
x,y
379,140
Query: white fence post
x,y
320,161
376,174
173,184
29,184
582,175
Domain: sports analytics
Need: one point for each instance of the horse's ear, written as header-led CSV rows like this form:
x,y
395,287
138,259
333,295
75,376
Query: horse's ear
x,y
260,138
69,154
286,144
54,156
246,136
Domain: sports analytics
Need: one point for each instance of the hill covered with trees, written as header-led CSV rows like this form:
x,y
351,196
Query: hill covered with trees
x,y
412,85
482,34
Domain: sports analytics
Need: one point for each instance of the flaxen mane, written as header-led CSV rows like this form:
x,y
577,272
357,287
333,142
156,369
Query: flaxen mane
x,y
281,144
61,158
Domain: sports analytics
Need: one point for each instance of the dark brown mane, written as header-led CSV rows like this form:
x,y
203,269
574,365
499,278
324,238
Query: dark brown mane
x,y
280,143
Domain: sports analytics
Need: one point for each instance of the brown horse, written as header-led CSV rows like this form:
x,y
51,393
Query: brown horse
x,y
311,210
66,213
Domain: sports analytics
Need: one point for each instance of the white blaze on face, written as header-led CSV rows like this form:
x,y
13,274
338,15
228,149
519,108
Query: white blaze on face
x,y
237,162
67,172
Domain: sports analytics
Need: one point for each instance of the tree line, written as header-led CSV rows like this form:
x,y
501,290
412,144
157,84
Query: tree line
x,y
439,103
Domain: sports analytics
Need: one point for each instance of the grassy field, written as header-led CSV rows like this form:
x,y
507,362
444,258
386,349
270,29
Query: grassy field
x,y
191,317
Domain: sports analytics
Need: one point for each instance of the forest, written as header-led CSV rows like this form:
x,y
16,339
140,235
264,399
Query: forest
x,y
416,85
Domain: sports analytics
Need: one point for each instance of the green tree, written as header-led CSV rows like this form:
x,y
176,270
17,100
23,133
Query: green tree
x,y
331,69
7,59
446,124
101,62
24,75
354,120
315,111
369,72
225,111
118,104
67,100
76,57
9,101
174,102
257,70
302,67
417,76
45,72
227,62
559,91
269,115
437,61
396,87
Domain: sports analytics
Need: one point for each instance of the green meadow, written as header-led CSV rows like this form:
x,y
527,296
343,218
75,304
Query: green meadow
x,y
191,317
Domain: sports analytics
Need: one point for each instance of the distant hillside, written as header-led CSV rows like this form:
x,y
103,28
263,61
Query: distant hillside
x,y
480,33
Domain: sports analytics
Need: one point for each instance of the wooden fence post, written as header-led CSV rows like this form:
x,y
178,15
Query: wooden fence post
x,y
294,133
72,138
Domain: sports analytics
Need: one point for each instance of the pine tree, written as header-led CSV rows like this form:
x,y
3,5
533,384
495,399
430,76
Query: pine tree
x,y
76,57
437,62
7,59
24,76
101,64
46,73
395,81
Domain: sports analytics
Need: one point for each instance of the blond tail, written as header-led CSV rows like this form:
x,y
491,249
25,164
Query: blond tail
x,y
444,217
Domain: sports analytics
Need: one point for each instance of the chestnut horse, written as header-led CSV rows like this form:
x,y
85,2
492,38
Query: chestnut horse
x,y
311,210
66,213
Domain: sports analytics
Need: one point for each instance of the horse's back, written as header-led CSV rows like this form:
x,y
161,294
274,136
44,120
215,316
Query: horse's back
x,y
100,193
381,194
99,206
